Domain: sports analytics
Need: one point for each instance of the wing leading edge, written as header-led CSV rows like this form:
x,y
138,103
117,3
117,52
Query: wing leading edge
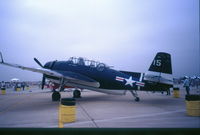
x,y
68,76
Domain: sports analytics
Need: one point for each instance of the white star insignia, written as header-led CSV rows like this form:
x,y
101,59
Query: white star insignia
x,y
129,81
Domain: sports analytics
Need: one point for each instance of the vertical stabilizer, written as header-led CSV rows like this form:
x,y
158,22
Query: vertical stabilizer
x,y
161,63
161,69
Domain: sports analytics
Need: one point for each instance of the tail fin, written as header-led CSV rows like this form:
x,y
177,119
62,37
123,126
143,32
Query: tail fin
x,y
161,63
161,69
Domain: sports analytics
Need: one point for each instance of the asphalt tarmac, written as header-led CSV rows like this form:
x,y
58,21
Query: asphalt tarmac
x,y
34,109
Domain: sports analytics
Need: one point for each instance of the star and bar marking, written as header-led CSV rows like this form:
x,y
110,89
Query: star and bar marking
x,y
129,81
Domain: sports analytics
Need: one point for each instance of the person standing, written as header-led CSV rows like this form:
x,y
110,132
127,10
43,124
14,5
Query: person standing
x,y
3,85
186,84
196,82
23,85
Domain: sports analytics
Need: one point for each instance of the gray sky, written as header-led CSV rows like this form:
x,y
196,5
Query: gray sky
x,y
125,34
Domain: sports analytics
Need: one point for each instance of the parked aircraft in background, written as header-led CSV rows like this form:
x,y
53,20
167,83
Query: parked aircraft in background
x,y
14,80
88,74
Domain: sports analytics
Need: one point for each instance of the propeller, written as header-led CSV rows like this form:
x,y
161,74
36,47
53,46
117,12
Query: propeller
x,y
43,77
37,61
43,81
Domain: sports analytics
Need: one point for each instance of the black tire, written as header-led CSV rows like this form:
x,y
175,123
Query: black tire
x,y
137,99
68,101
176,88
3,88
192,97
56,96
77,94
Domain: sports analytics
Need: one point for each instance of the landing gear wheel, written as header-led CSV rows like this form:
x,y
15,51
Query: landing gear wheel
x,y
137,99
55,96
77,94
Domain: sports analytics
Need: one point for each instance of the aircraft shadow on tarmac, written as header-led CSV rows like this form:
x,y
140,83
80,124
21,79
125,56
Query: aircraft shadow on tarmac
x,y
106,98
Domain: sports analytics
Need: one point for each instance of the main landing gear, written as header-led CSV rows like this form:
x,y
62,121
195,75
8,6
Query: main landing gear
x,y
137,99
77,94
56,96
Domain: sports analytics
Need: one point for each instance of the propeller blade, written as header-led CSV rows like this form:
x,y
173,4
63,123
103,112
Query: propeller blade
x,y
43,81
37,61
1,58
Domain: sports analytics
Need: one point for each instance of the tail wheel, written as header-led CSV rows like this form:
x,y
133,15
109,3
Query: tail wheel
x,y
77,94
137,99
56,96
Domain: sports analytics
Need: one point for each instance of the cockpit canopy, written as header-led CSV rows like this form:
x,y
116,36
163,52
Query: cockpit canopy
x,y
86,62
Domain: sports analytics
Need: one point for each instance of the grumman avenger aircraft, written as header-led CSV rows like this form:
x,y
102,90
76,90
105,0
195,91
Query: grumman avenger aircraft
x,y
81,73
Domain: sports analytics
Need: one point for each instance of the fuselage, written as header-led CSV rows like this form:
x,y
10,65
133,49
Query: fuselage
x,y
107,77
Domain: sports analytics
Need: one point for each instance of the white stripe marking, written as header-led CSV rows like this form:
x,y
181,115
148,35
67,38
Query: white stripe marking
x,y
140,83
119,78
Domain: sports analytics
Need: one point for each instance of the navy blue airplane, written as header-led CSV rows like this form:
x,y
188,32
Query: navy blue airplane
x,y
81,73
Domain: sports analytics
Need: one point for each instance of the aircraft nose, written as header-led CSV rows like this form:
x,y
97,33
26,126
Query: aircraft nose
x,y
47,65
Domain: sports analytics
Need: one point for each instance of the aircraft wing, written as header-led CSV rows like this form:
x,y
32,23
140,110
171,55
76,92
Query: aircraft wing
x,y
69,77
75,78
39,70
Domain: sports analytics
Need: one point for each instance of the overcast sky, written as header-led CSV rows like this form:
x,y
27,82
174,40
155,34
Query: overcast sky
x,y
125,34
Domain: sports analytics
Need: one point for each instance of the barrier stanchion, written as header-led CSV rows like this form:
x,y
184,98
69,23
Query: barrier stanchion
x,y
18,89
27,88
192,105
3,91
176,92
67,111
